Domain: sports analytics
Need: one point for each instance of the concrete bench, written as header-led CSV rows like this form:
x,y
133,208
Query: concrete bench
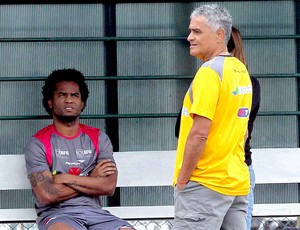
x,y
155,168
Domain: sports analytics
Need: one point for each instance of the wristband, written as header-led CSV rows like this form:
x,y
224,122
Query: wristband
x,y
56,172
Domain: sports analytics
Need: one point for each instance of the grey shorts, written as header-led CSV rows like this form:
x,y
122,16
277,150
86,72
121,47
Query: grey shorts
x,y
82,218
197,207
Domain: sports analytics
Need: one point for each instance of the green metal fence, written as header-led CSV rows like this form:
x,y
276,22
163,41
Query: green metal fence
x,y
134,54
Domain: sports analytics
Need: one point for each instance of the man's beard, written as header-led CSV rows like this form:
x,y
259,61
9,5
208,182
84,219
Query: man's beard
x,y
66,119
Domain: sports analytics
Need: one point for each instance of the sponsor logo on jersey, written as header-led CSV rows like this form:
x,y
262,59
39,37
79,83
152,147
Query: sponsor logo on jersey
x,y
185,112
83,152
240,71
75,171
61,153
72,163
241,90
243,112
47,220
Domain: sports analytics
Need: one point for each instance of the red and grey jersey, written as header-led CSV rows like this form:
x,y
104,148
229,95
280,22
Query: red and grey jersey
x,y
48,150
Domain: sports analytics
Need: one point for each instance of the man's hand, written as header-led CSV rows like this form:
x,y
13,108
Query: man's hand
x,y
104,168
180,186
59,178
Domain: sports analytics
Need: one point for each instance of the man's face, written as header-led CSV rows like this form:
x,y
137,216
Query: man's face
x,y
202,39
66,102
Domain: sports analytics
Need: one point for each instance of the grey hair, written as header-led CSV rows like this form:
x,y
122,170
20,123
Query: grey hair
x,y
217,17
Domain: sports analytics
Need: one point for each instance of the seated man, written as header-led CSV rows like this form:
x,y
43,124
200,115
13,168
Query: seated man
x,y
69,164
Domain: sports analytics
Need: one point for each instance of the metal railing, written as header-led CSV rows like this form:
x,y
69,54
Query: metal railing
x,y
266,223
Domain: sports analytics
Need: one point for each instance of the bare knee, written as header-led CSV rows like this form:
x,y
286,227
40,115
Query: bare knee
x,y
60,226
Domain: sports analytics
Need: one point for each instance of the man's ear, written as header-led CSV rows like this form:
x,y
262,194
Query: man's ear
x,y
82,106
220,35
50,104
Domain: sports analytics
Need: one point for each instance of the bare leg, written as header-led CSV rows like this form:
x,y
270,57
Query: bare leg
x,y
60,226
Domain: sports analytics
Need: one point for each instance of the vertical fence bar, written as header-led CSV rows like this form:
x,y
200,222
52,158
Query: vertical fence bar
x,y
111,86
297,26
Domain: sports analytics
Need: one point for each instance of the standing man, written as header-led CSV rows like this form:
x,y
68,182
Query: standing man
x,y
211,178
69,164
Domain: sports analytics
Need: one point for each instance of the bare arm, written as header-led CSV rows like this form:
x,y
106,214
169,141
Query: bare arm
x,y
246,136
47,191
101,181
194,147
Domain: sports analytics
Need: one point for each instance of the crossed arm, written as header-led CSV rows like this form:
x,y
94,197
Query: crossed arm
x,y
52,189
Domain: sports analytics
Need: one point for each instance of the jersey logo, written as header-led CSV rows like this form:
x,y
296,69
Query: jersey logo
x,y
61,153
75,171
235,92
241,90
47,220
83,153
185,112
243,112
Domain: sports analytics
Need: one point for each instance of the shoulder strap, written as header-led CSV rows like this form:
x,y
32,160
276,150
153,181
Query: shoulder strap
x,y
44,135
93,133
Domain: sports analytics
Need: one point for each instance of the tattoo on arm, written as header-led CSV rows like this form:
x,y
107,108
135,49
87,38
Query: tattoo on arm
x,y
45,181
74,184
32,180
35,178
